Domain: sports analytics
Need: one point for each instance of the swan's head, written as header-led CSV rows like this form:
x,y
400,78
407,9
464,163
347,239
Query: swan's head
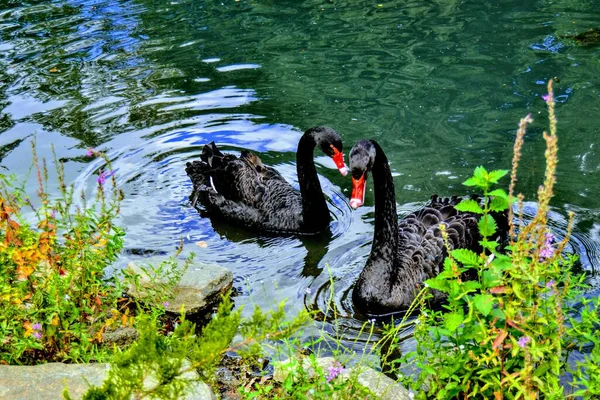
x,y
330,143
362,158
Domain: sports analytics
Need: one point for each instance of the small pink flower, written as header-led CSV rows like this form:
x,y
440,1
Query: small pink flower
x,y
37,330
166,304
550,283
546,97
548,250
103,176
334,370
522,342
90,152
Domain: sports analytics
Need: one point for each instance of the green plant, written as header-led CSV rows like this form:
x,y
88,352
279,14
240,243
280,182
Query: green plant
x,y
306,377
52,289
169,359
507,334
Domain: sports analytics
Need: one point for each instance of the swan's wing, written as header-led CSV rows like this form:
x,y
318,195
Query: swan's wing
x,y
420,239
235,179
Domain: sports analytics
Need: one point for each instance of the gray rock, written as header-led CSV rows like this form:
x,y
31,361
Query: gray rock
x,y
120,336
48,381
201,285
384,387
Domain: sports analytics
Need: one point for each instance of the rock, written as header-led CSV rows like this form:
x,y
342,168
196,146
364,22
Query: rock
x,y
120,336
48,381
384,387
200,287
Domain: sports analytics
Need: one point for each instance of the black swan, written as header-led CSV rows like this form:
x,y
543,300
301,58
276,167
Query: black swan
x,y
404,253
245,192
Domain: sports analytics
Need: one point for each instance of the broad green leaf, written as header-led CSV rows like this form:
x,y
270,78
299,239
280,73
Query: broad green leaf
x,y
437,283
498,313
469,205
484,303
471,286
480,173
498,193
474,182
452,321
491,279
487,226
496,175
501,262
498,204
465,256
488,244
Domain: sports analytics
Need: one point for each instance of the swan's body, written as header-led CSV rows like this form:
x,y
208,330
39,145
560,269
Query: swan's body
x,y
244,192
404,253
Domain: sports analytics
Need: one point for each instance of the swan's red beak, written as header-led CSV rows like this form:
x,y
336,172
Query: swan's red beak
x,y
338,159
359,187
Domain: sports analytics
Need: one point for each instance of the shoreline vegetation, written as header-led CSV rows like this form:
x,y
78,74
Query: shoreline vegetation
x,y
509,334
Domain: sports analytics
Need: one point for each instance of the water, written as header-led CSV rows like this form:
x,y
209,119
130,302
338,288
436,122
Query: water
x,y
440,84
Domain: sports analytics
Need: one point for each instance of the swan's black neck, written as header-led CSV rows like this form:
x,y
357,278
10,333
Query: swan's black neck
x,y
385,237
314,206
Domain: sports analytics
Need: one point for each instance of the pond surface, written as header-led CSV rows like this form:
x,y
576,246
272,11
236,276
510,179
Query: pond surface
x,y
440,84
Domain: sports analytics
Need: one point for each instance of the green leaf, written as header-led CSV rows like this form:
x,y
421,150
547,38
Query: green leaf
x,y
469,205
498,193
495,176
498,204
437,283
471,286
542,369
488,244
484,303
518,291
491,279
465,256
501,263
452,321
480,173
498,313
474,182
487,226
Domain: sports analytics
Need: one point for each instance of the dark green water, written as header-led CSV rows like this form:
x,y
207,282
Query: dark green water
x,y
440,84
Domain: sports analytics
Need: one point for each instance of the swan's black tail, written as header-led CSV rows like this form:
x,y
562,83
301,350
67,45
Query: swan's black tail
x,y
211,155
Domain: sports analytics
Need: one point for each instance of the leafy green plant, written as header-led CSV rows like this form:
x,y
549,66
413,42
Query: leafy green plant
x,y
56,300
169,359
507,334
305,377
52,289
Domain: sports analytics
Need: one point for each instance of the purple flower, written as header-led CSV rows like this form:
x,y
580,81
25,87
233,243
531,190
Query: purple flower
x,y
166,304
550,283
334,370
103,175
523,341
548,250
37,330
90,152
546,97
